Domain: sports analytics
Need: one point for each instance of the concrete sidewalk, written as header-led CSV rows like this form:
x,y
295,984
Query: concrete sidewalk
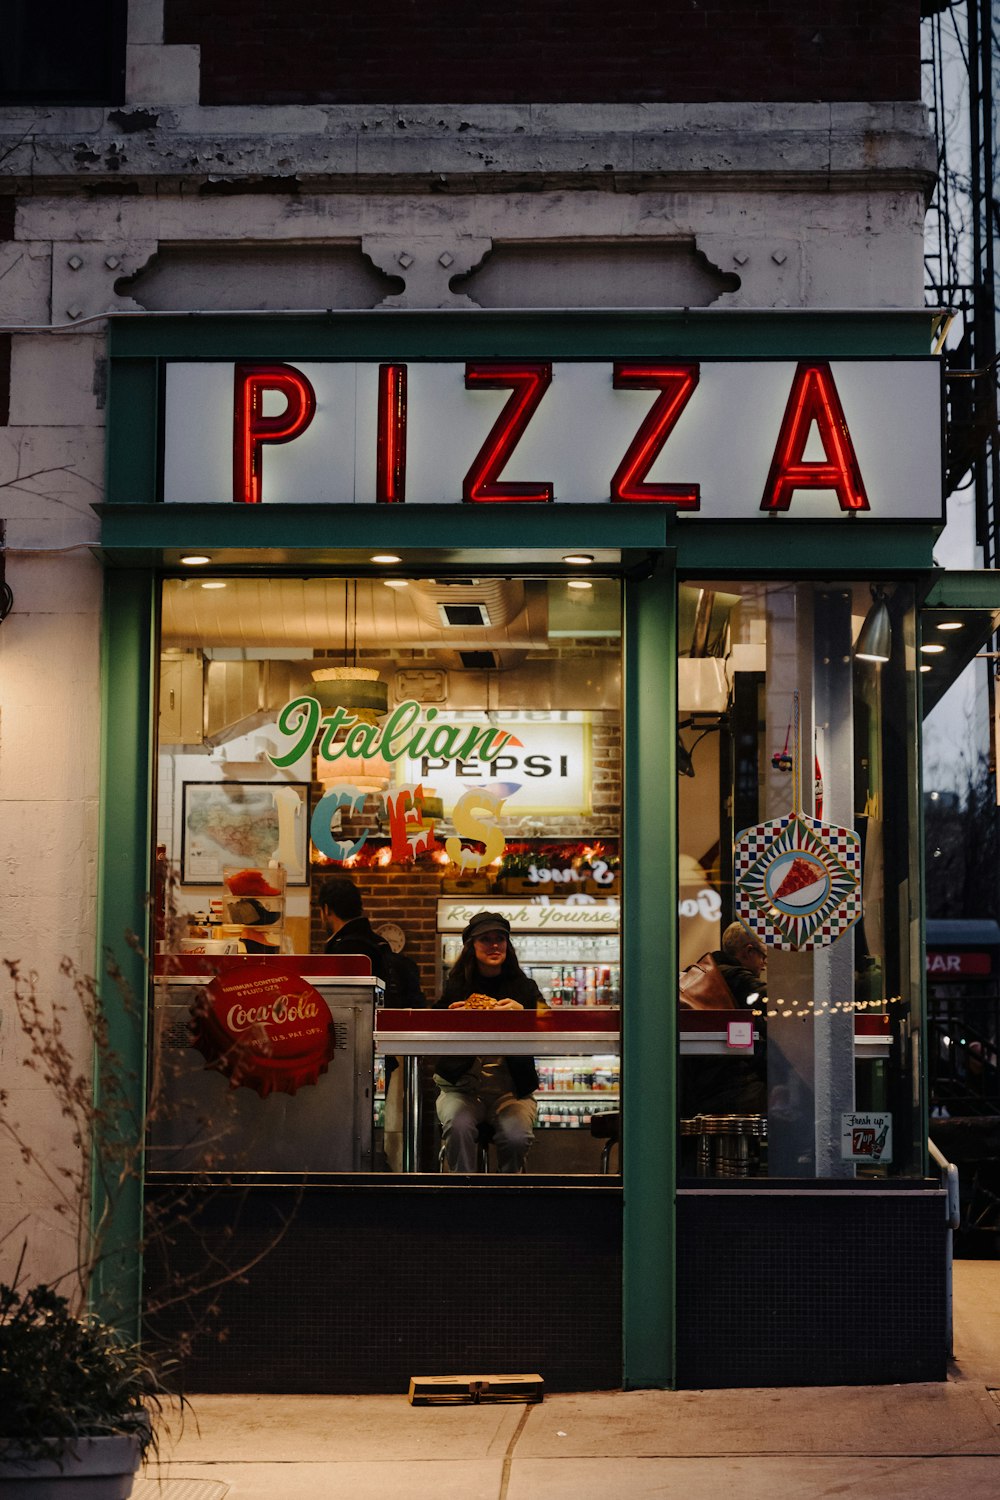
x,y
910,1442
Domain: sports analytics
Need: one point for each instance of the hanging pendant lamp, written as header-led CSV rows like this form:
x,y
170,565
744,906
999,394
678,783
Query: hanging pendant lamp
x,y
875,640
359,689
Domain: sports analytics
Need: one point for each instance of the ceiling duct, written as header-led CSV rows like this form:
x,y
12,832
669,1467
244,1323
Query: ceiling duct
x,y
275,614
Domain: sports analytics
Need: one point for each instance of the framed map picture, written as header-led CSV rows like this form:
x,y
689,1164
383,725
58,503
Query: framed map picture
x,y
229,822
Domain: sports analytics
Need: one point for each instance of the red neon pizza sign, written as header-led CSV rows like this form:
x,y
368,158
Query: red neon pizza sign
x,y
252,429
813,408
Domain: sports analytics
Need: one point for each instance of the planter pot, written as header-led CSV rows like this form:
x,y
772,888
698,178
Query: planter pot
x,y
97,1468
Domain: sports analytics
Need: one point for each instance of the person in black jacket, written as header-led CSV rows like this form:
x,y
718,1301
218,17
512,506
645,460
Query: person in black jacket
x,y
498,1091
350,931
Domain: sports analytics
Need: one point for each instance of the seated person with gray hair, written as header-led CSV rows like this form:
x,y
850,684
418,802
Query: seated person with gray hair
x,y
742,959
736,1084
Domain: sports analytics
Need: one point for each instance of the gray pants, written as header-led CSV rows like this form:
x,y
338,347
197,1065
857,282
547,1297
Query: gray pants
x,y
461,1114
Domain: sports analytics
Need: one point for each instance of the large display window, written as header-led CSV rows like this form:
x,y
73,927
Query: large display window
x,y
372,794
800,991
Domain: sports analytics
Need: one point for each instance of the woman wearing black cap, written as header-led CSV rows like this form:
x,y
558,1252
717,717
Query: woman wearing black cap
x,y
498,1091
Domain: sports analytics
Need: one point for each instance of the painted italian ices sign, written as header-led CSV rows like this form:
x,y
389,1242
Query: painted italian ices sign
x,y
407,734
712,440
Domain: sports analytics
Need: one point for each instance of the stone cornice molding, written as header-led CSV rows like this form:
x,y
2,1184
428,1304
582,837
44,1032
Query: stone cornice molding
x,y
455,148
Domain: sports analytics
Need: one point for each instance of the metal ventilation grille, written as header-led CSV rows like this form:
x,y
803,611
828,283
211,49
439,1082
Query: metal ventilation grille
x,y
464,614
476,603
483,661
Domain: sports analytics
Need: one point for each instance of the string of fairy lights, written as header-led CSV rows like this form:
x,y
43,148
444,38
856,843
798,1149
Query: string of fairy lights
x,y
787,1010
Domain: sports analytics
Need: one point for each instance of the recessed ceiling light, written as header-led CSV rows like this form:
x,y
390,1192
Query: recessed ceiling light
x,y
950,625
214,583
932,649
396,583
926,667
195,560
385,557
581,558
579,583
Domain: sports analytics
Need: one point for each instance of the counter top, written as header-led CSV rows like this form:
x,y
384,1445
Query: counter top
x,y
456,1033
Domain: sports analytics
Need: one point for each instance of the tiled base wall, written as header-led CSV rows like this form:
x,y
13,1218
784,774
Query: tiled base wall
x,y
369,1286
802,1288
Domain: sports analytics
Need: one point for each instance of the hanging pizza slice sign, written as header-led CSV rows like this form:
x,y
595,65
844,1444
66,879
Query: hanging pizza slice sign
x,y
798,881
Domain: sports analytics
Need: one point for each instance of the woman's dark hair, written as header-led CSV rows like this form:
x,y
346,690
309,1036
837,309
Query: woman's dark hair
x,y
465,975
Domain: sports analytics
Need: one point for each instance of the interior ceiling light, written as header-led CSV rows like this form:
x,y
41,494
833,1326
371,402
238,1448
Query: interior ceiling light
x,y
396,583
214,583
950,625
385,557
932,649
579,583
195,560
580,558
875,639
926,667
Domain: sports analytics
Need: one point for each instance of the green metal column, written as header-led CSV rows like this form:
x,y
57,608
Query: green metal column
x,y
649,961
123,929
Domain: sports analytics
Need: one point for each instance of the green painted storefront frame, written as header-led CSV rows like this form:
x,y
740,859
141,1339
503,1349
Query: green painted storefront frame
x,y
142,539
128,690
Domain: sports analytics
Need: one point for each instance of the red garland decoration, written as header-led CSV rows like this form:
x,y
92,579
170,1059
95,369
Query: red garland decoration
x,y
562,855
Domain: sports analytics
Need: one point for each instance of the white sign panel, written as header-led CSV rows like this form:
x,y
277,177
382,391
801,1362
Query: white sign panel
x,y
532,916
550,763
777,441
866,1137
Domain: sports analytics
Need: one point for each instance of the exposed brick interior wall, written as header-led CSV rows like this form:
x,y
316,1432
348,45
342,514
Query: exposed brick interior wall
x,y
404,894
420,51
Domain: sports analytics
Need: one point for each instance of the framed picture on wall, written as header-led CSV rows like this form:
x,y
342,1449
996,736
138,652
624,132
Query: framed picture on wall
x,y
235,822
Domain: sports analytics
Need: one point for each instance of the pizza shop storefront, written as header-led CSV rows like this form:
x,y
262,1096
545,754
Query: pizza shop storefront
x,y
608,626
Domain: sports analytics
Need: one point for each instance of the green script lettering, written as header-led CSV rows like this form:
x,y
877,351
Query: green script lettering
x,y
332,723
302,714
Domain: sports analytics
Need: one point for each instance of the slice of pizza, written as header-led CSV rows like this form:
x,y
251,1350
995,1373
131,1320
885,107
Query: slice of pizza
x,y
801,872
478,1001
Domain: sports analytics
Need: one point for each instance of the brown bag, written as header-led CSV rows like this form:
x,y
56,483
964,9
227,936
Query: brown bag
x,y
702,987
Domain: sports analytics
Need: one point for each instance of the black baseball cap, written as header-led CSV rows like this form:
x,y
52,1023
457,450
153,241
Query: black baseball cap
x,y
484,922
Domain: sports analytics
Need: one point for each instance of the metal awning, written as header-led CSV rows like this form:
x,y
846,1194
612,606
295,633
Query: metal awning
x,y
961,614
